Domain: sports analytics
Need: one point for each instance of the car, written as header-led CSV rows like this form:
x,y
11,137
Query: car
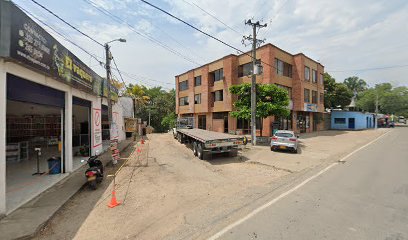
x,y
285,140
402,119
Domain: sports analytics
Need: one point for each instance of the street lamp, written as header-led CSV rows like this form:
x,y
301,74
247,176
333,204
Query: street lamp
x,y
108,74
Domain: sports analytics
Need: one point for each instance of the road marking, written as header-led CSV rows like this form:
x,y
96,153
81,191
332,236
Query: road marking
x,y
273,201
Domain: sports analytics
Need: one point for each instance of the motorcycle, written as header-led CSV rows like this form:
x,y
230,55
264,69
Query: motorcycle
x,y
94,173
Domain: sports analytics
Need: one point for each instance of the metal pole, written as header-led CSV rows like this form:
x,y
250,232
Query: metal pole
x,y
253,88
108,81
376,110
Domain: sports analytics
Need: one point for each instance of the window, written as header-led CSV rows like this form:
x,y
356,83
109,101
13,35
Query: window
x,y
321,79
314,96
307,74
183,101
339,121
183,85
245,69
314,76
202,122
321,97
307,95
197,81
283,68
217,96
197,98
217,75
289,89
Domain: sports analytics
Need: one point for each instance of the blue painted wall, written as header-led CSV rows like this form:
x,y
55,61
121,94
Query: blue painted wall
x,y
361,120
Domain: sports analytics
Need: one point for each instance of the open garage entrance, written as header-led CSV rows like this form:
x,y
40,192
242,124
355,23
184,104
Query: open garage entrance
x,y
81,142
34,138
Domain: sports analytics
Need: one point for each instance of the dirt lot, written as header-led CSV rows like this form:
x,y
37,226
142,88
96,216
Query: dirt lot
x,y
170,194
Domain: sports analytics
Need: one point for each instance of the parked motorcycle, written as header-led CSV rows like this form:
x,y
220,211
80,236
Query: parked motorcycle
x,y
94,173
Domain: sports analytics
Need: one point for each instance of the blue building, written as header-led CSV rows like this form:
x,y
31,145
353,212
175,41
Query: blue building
x,y
346,120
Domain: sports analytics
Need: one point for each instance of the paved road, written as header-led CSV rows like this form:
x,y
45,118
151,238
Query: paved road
x,y
365,198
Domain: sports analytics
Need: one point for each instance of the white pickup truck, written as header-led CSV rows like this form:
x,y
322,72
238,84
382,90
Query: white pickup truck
x,y
204,142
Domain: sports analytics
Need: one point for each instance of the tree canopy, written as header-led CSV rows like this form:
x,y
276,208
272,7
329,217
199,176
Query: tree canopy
x,y
336,94
270,100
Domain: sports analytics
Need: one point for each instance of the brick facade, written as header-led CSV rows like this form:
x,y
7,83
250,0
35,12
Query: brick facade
x,y
302,120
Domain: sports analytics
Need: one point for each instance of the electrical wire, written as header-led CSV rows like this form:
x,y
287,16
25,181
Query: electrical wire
x,y
144,35
211,15
76,29
60,34
201,31
371,69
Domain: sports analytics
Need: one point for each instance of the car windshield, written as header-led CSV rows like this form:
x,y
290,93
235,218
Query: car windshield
x,y
285,135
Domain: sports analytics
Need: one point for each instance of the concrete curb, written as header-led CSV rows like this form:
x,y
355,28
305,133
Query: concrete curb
x,y
26,221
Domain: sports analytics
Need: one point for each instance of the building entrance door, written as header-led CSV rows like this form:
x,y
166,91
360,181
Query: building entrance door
x,y
351,123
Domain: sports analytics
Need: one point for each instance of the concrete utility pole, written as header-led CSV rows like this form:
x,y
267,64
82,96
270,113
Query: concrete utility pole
x,y
255,42
108,80
376,110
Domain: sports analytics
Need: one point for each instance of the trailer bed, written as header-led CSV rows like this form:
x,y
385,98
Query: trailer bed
x,y
205,135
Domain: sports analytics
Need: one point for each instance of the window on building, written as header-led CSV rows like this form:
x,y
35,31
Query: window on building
x,y
217,75
289,89
202,122
307,95
314,76
314,97
321,98
245,69
321,79
339,121
197,81
217,96
197,98
283,68
183,101
183,85
307,74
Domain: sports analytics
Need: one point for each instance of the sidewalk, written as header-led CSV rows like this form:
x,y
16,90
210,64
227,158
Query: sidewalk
x,y
28,219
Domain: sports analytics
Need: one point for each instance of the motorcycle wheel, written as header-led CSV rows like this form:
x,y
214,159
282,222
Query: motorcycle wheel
x,y
92,185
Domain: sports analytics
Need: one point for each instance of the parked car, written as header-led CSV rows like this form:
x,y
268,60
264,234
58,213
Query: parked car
x,y
402,119
285,140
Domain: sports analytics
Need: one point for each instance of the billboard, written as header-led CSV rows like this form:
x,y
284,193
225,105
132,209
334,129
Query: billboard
x,y
308,107
32,45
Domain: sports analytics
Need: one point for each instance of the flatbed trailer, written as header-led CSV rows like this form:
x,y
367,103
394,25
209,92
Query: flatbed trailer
x,y
206,142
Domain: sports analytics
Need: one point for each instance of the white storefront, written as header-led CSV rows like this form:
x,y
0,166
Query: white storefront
x,y
41,111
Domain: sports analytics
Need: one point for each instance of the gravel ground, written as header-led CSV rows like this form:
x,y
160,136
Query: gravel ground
x,y
167,193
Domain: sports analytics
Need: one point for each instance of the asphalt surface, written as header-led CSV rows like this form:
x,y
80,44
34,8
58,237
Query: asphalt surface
x,y
364,198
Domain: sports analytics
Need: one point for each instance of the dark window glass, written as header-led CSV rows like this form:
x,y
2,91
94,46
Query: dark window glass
x,y
183,85
283,68
307,95
217,75
245,69
314,97
314,76
202,122
339,120
218,96
197,81
183,101
321,97
289,89
307,74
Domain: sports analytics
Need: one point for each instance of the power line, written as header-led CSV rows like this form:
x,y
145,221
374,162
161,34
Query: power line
x,y
371,69
223,23
268,32
144,35
199,30
76,29
60,34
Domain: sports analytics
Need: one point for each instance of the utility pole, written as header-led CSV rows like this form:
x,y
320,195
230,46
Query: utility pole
x,y
376,110
108,80
255,42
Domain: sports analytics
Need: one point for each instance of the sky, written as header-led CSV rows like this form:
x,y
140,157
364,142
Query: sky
x,y
365,38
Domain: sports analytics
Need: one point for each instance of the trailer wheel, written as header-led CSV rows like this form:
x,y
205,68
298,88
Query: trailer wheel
x,y
200,152
195,148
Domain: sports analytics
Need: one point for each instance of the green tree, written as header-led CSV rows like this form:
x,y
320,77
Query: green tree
x,y
355,84
336,94
270,100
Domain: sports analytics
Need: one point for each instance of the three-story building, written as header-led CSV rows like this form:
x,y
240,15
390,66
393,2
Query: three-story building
x,y
203,92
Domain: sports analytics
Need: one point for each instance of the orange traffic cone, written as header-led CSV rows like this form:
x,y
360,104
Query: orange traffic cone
x,y
142,141
139,150
113,202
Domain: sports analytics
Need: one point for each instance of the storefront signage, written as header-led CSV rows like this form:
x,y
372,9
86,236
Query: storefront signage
x,y
97,127
310,107
33,46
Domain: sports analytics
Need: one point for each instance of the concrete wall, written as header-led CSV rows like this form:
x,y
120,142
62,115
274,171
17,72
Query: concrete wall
x,y
360,120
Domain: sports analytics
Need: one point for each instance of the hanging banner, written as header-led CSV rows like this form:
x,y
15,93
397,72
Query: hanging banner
x,y
97,127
